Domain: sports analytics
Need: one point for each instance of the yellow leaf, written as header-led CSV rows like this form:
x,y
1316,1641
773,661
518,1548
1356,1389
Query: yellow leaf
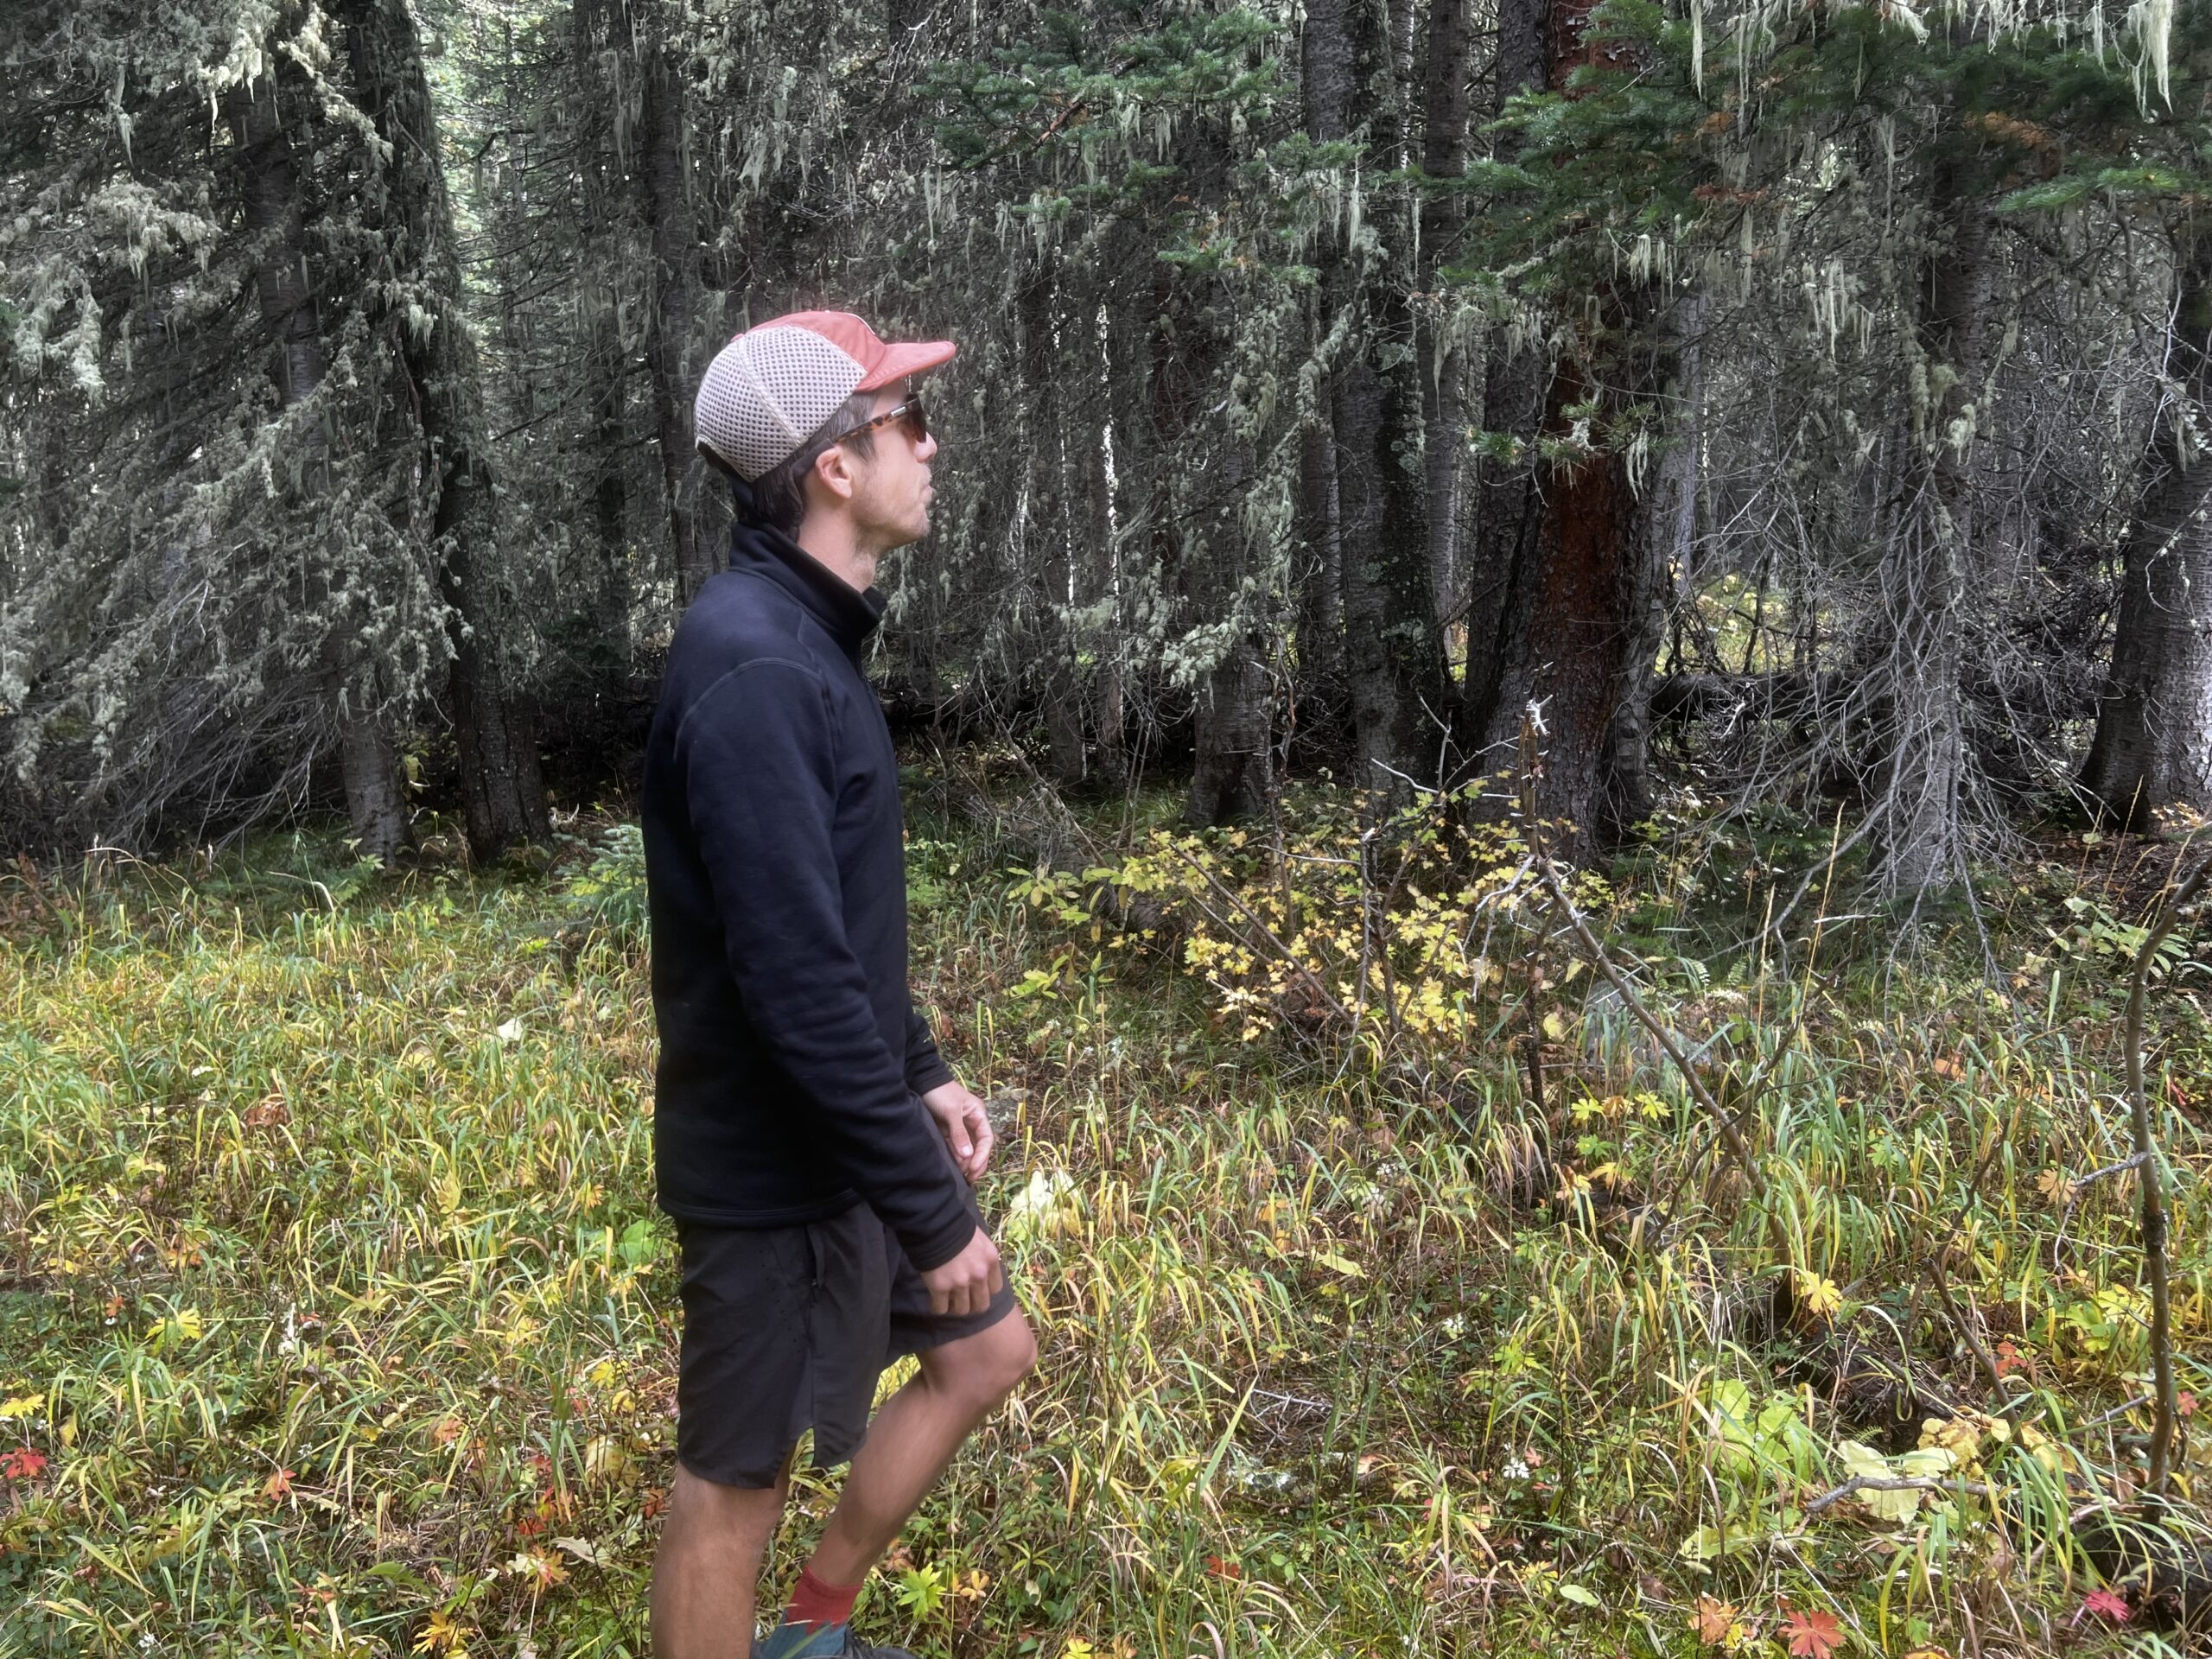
x,y
1818,1297
1337,1263
1960,1436
24,1405
1860,1461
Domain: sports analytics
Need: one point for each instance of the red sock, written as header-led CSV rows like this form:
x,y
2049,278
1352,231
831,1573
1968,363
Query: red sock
x,y
814,1603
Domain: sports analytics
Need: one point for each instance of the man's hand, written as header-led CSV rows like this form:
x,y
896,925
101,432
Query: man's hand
x,y
967,1126
967,1283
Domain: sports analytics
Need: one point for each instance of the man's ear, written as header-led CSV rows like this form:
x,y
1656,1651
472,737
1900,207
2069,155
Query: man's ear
x,y
835,473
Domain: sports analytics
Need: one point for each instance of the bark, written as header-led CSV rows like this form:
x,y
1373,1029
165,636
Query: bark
x,y
1048,547
1230,779
1444,156
1206,550
1320,583
1394,657
503,796
1566,626
1508,503
664,199
606,376
1927,564
1090,368
1326,91
2153,744
1668,521
375,801
1577,632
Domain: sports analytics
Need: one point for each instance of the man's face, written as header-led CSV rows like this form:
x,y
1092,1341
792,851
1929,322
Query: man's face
x,y
891,499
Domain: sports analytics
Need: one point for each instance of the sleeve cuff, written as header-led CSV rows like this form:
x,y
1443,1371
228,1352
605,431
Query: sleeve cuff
x,y
940,1246
932,1073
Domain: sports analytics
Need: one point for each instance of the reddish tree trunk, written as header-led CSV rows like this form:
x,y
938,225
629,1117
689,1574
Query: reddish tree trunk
x,y
1565,624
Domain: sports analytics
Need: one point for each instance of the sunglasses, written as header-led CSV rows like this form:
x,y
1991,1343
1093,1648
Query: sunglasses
x,y
909,415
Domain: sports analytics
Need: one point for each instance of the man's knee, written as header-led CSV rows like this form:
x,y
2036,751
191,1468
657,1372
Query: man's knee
x,y
982,1370
719,1517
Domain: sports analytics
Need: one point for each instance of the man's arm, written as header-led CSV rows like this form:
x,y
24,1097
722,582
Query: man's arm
x,y
926,1067
757,751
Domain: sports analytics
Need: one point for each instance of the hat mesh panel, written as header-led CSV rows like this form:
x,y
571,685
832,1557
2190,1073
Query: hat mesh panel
x,y
768,391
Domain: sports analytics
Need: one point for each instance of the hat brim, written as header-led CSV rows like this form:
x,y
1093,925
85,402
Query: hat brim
x,y
900,361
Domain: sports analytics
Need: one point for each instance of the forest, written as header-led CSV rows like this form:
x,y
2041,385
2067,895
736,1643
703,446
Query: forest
x,y
1555,735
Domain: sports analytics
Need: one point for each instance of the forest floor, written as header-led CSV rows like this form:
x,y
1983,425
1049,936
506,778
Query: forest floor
x,y
335,1316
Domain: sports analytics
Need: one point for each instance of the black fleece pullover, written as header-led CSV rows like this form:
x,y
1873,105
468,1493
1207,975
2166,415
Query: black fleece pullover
x,y
792,1057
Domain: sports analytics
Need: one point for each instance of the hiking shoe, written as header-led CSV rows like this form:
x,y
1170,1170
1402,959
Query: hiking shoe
x,y
821,1642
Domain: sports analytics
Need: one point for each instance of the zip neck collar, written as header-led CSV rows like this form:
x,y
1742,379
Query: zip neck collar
x,y
849,617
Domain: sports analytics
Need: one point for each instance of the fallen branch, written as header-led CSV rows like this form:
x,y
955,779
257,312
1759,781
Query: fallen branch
x,y
1859,1484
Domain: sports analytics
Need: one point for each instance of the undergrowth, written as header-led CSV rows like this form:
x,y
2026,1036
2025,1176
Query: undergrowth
x,y
1410,1318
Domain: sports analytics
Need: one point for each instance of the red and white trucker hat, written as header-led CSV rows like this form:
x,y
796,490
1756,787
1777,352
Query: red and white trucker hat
x,y
775,386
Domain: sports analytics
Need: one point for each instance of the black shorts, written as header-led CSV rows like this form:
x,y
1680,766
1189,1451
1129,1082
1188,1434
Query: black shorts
x,y
787,1329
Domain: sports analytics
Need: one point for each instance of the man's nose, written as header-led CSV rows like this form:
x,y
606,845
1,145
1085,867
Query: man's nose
x,y
926,448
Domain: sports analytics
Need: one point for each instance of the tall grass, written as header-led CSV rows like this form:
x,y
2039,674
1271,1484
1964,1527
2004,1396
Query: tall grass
x,y
335,1317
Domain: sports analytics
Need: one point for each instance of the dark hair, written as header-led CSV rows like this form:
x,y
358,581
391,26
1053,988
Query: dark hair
x,y
779,494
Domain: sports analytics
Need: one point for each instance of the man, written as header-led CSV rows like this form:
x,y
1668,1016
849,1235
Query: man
x,y
816,1151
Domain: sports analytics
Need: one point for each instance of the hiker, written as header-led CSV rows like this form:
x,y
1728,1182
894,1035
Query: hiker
x,y
816,1153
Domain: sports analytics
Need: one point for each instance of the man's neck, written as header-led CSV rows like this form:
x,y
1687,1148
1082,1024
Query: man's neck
x,y
829,540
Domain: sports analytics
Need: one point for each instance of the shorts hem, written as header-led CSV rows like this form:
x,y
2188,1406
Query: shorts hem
x,y
919,1338
742,1482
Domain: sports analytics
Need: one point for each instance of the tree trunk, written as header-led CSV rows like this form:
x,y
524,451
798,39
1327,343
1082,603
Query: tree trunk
x,y
2153,747
1668,523
1574,651
1444,156
1393,654
375,802
502,796
1567,625
1230,780
1090,367
665,199
1509,499
607,365
1919,832
1320,583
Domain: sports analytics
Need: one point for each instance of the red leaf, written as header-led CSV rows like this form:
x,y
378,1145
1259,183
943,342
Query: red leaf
x,y
2106,1604
1811,1633
279,1487
1222,1569
23,1464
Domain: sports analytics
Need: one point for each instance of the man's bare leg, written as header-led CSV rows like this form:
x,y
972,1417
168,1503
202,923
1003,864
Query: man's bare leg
x,y
913,1438
708,1564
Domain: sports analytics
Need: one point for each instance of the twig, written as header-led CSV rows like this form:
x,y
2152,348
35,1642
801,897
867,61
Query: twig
x,y
2007,1403
2176,898
1859,1484
1283,951
2074,1201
